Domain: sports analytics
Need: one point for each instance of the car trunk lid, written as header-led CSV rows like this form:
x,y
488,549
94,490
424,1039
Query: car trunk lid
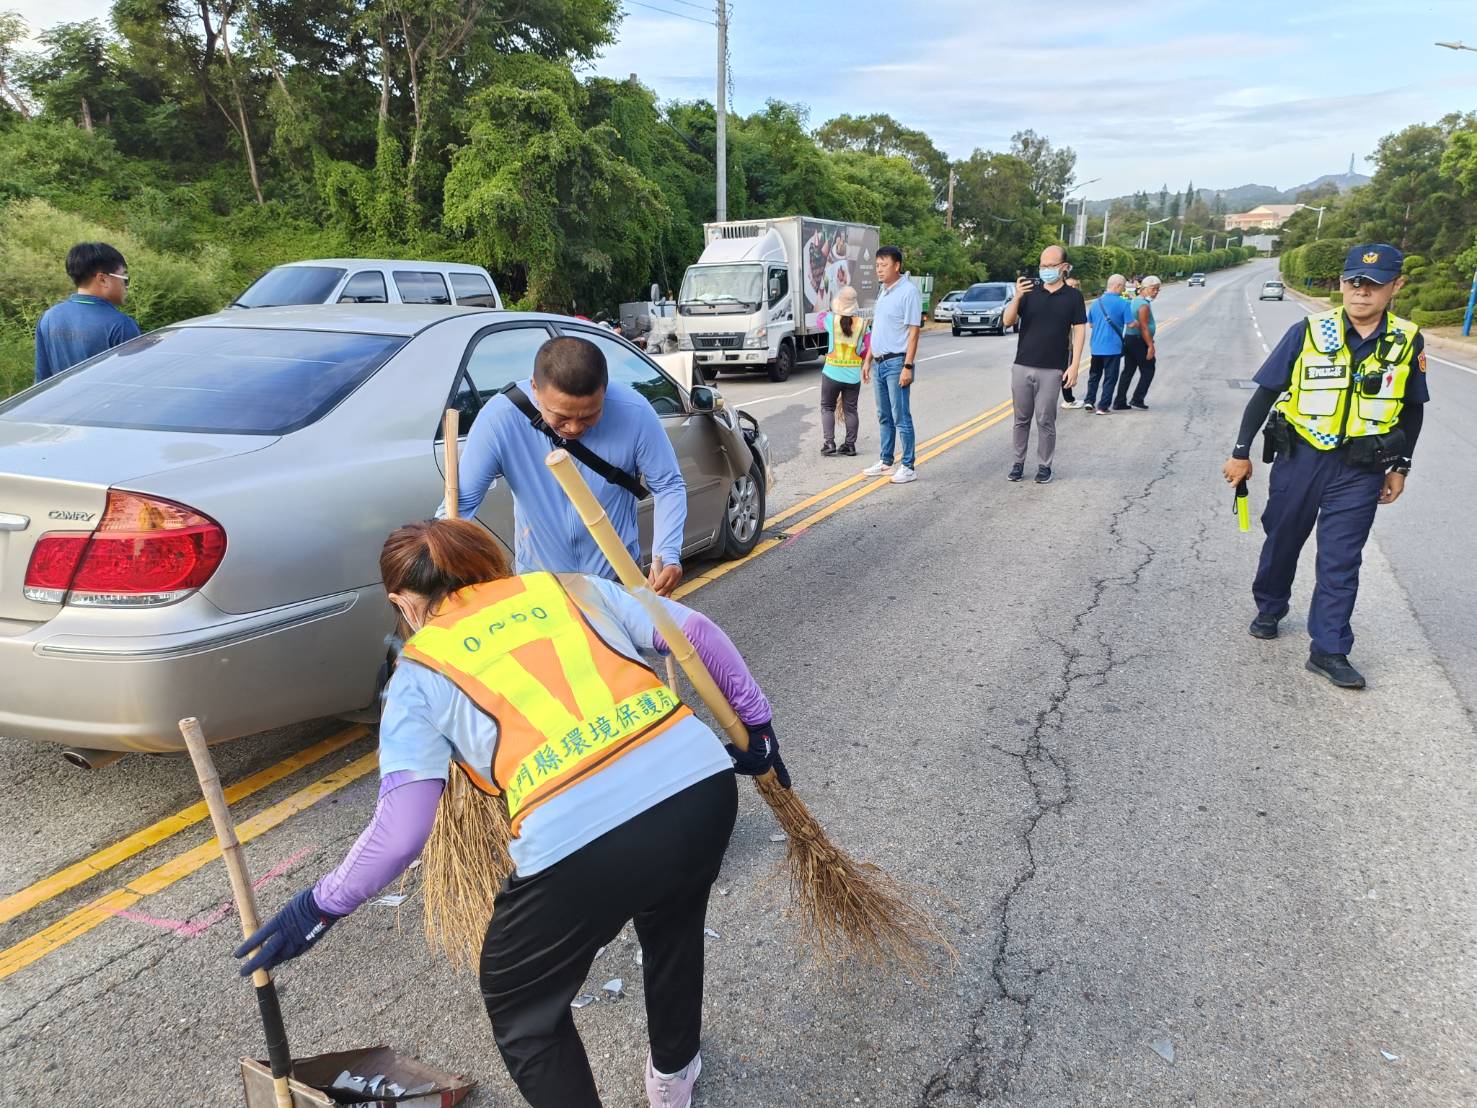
x,y
56,478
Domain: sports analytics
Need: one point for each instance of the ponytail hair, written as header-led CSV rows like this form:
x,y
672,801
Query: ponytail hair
x,y
846,324
436,557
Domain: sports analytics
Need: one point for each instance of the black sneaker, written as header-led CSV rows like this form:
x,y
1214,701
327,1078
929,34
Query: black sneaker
x,y
1140,405
1337,669
1264,626
1017,471
828,448
848,449
1043,475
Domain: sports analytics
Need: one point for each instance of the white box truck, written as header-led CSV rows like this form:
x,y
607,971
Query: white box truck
x,y
755,297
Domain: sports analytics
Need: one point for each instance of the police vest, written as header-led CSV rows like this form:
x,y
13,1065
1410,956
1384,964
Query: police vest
x,y
566,705
843,353
1330,399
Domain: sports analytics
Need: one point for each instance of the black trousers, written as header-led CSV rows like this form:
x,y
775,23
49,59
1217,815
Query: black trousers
x,y
832,391
1135,357
656,869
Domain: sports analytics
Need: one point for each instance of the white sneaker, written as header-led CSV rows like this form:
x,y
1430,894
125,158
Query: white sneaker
x,y
903,475
877,469
1074,403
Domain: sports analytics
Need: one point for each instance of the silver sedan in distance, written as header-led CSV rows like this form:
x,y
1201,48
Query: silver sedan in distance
x,y
190,524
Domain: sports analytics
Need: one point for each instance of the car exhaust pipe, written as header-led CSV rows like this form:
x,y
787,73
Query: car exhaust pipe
x,y
83,758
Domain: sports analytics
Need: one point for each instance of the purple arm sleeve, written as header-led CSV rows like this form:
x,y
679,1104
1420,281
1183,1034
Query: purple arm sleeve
x,y
726,665
401,824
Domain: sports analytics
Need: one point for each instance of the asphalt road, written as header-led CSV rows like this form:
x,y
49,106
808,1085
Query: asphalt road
x,y
1152,836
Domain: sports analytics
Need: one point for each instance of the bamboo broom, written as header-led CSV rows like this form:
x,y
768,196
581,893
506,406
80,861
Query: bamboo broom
x,y
465,859
845,907
279,1056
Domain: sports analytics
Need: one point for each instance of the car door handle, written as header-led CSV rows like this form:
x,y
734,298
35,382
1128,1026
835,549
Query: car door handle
x,y
9,521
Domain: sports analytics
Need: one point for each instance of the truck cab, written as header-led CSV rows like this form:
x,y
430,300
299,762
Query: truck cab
x,y
735,310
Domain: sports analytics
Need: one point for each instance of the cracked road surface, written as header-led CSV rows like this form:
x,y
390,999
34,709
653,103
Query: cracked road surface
x,y
1153,837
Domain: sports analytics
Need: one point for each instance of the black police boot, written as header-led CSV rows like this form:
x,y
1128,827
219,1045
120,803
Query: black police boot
x,y
1264,626
1336,668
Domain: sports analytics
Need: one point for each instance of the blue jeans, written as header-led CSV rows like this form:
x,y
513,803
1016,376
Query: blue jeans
x,y
1104,371
892,408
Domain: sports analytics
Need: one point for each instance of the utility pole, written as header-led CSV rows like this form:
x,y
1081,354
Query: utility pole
x,y
949,214
722,105
1105,229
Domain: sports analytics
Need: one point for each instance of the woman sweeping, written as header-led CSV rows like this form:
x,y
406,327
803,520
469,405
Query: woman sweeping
x,y
841,376
621,801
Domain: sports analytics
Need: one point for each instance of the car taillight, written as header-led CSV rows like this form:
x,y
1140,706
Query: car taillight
x,y
145,551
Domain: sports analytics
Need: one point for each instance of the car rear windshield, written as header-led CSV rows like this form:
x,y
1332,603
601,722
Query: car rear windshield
x,y
985,292
291,284
221,380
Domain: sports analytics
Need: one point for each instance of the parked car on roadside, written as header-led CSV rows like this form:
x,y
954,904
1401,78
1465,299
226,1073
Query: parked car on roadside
x,y
981,306
1195,279
1272,290
371,281
944,311
190,523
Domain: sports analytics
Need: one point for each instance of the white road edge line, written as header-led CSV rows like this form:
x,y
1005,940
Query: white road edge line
x,y
779,396
945,354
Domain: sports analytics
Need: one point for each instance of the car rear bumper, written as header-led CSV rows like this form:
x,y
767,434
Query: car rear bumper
x,y
79,680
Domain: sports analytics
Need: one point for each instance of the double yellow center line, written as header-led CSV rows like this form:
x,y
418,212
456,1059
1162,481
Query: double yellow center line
x,y
105,907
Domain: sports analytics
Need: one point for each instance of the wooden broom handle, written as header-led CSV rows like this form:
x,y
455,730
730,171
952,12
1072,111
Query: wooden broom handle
x,y
278,1053
594,518
451,428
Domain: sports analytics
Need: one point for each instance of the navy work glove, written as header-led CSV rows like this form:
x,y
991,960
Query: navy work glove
x,y
287,934
762,756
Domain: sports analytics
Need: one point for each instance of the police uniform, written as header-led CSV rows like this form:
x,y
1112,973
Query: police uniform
x,y
1347,411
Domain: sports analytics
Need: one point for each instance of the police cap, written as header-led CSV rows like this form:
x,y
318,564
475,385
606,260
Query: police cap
x,y
1377,261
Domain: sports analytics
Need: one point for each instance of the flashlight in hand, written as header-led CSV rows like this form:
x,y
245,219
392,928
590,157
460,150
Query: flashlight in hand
x,y
1243,507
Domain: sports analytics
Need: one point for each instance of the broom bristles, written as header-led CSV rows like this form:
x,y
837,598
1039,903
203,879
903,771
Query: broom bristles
x,y
463,865
847,909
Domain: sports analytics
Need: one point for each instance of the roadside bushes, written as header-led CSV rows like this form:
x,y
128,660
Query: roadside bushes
x,y
1443,317
34,240
1315,264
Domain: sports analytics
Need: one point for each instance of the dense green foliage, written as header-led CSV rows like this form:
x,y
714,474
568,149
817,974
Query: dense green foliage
x,y
210,140
1422,199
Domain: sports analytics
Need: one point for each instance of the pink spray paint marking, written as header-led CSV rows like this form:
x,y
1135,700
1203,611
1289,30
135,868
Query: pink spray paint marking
x,y
194,928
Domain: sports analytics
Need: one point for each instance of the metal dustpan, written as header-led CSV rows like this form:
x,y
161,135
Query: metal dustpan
x,y
312,1078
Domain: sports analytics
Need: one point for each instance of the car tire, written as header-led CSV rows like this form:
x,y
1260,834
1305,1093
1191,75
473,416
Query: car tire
x,y
743,514
784,363
956,331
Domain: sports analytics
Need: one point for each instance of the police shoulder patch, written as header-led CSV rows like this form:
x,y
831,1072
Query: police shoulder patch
x,y
1421,361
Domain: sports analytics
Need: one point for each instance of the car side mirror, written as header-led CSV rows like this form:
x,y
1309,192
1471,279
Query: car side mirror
x,y
703,399
774,290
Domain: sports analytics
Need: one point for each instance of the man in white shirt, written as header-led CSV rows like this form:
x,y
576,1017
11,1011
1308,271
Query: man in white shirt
x,y
896,322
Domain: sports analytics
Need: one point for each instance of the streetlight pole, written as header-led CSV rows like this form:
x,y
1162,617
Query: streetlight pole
x,y
721,135
1317,231
1458,46
1074,188
1147,225
1193,240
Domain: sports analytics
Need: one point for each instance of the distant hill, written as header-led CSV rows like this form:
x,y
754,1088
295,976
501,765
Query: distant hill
x,y
1245,197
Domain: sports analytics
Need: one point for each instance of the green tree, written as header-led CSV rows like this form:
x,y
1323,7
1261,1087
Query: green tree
x,y
12,32
881,134
1051,167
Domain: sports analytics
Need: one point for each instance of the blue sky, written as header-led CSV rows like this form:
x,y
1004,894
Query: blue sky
x,y
1221,93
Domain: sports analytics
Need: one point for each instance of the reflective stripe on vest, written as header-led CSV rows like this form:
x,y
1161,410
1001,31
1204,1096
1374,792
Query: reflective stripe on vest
x,y
843,353
1324,379
565,703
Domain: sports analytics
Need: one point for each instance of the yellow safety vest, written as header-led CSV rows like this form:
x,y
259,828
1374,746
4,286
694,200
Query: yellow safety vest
x,y
843,353
566,705
1331,400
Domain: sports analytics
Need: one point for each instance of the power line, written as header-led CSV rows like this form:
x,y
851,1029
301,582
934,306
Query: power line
x,y
690,4
669,11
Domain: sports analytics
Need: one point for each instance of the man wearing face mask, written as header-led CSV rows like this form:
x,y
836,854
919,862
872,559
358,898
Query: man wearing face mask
x,y
1349,391
1053,319
570,401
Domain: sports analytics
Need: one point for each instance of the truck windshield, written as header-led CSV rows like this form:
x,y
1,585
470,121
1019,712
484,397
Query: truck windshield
x,y
718,289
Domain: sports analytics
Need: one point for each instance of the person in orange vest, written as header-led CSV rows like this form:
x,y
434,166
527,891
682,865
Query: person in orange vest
x,y
621,801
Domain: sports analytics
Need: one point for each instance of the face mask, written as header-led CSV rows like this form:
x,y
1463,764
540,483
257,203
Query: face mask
x,y
1050,276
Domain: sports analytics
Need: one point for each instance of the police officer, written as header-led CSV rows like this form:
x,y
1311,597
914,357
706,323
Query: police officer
x,y
1348,388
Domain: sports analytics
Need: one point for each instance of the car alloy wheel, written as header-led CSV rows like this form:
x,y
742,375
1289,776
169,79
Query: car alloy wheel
x,y
744,514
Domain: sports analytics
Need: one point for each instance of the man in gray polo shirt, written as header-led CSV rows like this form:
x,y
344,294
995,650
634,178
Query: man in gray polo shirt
x,y
896,321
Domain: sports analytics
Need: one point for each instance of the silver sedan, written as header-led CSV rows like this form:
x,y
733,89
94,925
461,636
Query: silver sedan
x,y
190,523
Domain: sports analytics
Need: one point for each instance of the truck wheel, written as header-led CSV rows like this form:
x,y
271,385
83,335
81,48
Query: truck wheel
x,y
743,515
780,370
